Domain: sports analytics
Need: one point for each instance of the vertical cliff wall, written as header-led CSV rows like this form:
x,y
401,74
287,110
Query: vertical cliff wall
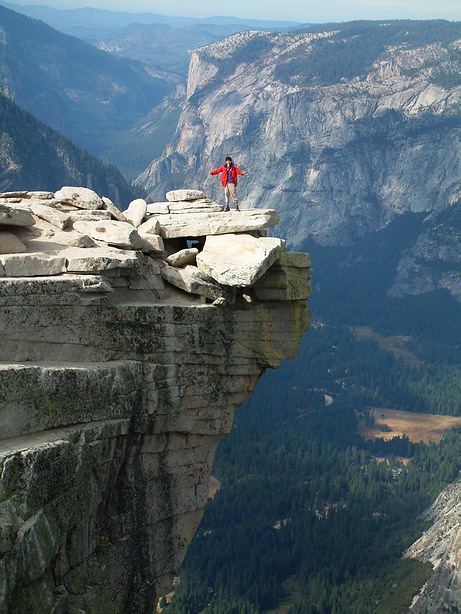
x,y
115,391
441,546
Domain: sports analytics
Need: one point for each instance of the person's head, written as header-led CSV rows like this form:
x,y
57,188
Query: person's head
x,y
228,160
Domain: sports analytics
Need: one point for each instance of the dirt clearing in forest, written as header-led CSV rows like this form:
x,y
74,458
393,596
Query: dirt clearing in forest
x,y
418,427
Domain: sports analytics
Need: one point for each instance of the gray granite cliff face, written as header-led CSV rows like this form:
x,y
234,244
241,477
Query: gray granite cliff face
x,y
441,546
356,152
116,388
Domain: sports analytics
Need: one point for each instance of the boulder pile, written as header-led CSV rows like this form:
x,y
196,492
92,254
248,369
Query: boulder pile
x,y
187,242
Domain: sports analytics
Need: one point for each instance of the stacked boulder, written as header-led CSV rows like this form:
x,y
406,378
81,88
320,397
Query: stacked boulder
x,y
187,242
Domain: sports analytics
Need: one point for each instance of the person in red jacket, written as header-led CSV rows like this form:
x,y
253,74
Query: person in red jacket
x,y
229,181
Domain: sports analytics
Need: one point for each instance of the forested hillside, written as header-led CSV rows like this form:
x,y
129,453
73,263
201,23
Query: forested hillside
x,y
355,47
311,517
35,157
308,515
87,94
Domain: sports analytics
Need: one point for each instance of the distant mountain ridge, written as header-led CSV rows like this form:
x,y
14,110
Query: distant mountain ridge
x,y
93,24
332,116
166,47
36,157
86,94
100,97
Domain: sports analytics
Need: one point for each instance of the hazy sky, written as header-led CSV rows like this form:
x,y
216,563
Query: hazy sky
x,y
291,10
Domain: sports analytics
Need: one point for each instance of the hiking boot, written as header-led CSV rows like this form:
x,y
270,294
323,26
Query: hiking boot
x,y
227,209
237,209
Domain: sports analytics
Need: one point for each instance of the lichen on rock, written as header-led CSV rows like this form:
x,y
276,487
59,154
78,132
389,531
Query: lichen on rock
x,y
117,385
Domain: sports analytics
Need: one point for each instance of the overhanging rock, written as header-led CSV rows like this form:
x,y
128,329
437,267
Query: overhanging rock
x,y
117,384
285,280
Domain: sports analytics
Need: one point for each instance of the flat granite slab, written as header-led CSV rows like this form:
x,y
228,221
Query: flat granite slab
x,y
212,223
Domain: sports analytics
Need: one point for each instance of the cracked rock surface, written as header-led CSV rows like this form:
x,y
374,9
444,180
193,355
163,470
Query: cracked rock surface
x,y
121,369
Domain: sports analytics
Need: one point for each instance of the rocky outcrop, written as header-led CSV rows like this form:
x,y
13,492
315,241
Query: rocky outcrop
x,y
117,383
441,546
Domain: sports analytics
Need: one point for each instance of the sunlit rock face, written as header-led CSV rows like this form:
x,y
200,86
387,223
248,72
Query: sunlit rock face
x,y
440,545
341,131
117,386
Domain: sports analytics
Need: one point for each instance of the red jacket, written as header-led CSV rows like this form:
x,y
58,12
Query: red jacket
x,y
223,170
